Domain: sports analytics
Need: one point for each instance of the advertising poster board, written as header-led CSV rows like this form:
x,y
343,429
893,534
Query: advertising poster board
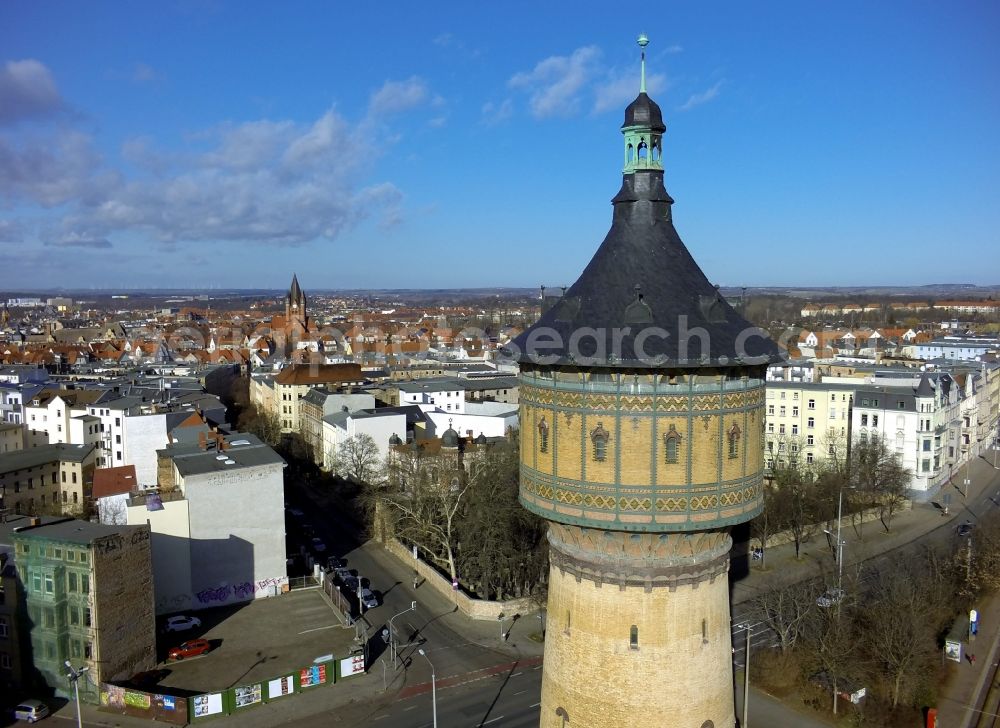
x,y
208,704
280,687
246,695
353,665
314,675
953,650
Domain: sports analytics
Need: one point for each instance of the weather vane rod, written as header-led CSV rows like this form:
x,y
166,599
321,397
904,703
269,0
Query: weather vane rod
x,y
643,41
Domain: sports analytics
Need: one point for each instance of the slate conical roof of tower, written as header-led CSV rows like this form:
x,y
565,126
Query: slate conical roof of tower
x,y
642,301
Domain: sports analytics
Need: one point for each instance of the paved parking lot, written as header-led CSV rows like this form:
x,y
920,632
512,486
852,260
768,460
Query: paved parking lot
x,y
263,639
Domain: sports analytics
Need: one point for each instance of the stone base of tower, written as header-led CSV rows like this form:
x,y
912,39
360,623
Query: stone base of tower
x,y
638,630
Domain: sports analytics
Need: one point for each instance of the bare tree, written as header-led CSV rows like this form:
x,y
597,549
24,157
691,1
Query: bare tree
x,y
358,458
796,503
261,423
769,522
878,472
422,498
786,610
833,641
899,623
113,511
503,545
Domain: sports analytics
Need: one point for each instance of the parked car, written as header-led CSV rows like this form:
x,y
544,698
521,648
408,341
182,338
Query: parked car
x,y
350,582
31,710
181,623
191,648
830,597
342,574
368,599
318,545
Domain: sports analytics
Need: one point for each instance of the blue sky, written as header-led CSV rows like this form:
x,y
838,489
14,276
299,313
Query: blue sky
x,y
191,144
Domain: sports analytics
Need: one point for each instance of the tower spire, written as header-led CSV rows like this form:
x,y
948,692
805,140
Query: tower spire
x,y
643,41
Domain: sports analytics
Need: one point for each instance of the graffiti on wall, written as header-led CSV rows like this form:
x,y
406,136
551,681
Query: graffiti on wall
x,y
240,592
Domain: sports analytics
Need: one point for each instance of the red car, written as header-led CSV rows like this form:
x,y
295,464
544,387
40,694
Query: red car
x,y
191,648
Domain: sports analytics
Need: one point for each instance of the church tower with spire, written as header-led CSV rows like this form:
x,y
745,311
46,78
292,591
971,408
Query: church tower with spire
x,y
642,413
295,304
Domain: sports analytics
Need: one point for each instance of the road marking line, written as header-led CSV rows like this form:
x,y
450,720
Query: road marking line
x,y
520,691
317,629
535,705
492,720
410,708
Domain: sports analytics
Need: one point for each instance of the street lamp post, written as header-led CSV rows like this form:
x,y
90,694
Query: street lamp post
x,y
746,674
840,560
74,676
392,635
434,695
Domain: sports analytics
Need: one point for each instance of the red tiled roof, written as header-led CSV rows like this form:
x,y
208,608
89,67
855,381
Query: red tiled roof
x,y
114,481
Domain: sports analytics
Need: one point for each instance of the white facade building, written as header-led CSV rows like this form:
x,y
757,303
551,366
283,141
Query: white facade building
x,y
380,425
218,524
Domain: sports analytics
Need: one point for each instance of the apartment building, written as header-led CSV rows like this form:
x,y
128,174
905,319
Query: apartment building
x,y
281,394
218,522
48,478
89,599
806,422
920,419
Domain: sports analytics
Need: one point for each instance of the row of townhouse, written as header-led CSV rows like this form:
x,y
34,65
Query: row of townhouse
x,y
935,421
987,306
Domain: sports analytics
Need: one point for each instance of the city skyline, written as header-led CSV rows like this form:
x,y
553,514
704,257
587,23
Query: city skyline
x,y
850,145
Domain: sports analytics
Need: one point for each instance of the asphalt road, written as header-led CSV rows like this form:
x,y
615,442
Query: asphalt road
x,y
433,625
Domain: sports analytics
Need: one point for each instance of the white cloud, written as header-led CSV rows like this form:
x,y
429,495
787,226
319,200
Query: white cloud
x,y
497,113
51,170
396,96
27,90
268,181
555,84
701,97
675,48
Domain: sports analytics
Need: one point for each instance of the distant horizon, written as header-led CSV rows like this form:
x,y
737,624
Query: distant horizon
x,y
9,293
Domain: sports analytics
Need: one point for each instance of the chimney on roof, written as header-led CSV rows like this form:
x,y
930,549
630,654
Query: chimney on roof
x,y
202,444
35,521
220,442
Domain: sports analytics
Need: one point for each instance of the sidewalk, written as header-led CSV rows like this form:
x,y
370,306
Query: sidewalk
x,y
870,540
957,704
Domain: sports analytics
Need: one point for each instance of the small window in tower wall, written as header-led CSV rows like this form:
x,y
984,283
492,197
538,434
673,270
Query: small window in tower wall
x,y
633,638
599,437
543,435
734,441
671,441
